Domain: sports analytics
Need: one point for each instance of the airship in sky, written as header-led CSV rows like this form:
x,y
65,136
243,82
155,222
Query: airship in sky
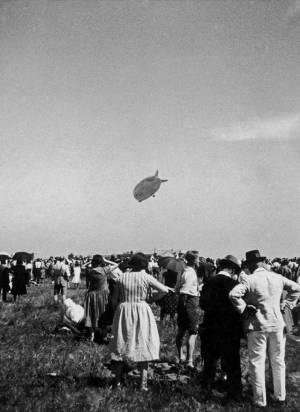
x,y
147,187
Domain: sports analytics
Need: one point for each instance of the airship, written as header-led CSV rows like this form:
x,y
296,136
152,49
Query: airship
x,y
147,187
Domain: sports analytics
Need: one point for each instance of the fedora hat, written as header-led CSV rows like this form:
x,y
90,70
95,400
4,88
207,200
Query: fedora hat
x,y
232,260
191,255
254,256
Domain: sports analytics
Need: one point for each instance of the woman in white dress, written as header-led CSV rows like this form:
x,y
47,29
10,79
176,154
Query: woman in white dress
x,y
76,275
134,330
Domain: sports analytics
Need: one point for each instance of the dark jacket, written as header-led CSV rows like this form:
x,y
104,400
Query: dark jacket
x,y
220,317
19,280
4,278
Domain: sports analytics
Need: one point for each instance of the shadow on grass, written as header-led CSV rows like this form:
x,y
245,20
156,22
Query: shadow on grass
x,y
80,381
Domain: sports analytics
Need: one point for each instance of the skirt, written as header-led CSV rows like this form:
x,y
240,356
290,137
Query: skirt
x,y
18,288
169,304
135,334
189,313
95,306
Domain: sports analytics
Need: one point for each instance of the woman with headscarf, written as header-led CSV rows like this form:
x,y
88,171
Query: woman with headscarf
x,y
96,299
134,330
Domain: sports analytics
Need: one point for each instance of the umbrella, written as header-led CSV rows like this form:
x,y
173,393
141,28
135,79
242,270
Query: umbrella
x,y
5,255
170,263
166,253
23,256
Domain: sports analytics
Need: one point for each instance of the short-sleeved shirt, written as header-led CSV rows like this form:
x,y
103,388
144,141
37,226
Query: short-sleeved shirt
x,y
187,283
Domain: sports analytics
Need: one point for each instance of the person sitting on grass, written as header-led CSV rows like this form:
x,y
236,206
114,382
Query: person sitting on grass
x,y
72,317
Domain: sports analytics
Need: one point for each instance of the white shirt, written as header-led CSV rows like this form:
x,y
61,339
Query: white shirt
x,y
66,269
188,283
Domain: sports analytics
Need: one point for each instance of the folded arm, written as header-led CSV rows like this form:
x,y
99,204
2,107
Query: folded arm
x,y
236,296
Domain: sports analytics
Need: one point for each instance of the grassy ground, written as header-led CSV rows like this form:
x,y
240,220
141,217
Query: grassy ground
x,y
45,371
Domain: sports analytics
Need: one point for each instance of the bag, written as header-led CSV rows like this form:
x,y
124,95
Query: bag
x,y
288,319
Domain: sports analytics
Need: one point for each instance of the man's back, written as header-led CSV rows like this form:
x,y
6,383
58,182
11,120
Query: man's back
x,y
263,289
59,274
219,312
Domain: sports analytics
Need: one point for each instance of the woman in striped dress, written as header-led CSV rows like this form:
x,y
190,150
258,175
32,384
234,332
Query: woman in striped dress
x,y
134,330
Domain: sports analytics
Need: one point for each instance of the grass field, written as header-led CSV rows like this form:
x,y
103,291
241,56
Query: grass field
x,y
46,371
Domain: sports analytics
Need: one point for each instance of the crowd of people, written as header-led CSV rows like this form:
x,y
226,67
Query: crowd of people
x,y
219,301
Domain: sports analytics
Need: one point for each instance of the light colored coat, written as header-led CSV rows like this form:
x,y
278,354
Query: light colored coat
x,y
263,289
60,274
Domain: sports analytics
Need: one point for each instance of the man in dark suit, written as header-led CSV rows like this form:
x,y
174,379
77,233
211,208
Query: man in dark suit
x,y
222,328
4,279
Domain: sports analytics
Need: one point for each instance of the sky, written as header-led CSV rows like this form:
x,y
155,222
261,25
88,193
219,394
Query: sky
x,y
97,95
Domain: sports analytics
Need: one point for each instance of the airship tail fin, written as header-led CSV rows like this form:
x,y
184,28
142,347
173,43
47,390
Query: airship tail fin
x,y
163,180
156,173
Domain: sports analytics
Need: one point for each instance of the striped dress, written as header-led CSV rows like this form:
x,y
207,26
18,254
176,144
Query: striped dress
x,y
135,334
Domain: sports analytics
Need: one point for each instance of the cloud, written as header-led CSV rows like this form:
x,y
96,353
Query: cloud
x,y
272,128
294,9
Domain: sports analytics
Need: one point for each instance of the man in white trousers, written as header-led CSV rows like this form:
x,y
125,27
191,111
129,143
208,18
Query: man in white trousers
x,y
258,298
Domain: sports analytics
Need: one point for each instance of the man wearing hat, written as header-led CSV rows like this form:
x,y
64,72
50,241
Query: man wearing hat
x,y
258,298
284,269
188,307
222,328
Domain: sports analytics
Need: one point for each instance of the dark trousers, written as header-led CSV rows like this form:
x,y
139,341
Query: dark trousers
x,y
37,275
4,294
296,315
227,349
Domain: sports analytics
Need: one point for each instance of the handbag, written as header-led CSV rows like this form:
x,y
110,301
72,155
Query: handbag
x,y
288,319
